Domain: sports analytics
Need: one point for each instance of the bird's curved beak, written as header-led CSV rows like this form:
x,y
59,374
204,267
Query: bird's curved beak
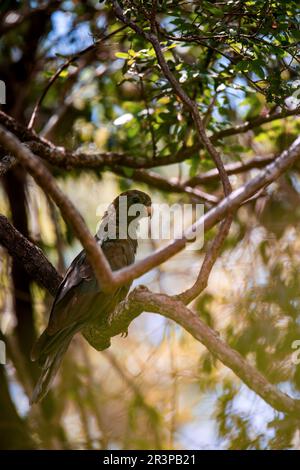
x,y
149,211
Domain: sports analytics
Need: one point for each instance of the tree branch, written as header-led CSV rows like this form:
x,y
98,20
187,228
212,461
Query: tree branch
x,y
32,257
157,181
210,258
256,122
67,159
231,169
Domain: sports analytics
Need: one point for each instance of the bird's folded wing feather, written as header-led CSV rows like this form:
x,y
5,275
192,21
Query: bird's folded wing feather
x,y
79,291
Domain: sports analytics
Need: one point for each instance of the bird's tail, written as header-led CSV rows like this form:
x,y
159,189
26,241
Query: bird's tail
x,y
49,351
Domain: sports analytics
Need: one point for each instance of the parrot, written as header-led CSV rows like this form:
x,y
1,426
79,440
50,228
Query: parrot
x,y
80,302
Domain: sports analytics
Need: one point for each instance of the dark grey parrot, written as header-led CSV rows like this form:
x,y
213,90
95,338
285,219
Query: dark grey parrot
x,y
80,303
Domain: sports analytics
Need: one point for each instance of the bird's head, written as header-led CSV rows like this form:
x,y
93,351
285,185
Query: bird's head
x,y
122,217
134,203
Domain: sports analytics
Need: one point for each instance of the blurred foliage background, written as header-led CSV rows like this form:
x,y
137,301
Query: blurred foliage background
x,y
158,388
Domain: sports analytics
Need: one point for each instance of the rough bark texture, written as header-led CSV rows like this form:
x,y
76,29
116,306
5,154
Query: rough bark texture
x,y
29,255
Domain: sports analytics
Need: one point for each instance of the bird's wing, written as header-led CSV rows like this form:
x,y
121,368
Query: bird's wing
x,y
79,270
79,293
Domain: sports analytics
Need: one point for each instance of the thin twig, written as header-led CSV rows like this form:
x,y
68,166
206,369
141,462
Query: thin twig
x,y
63,67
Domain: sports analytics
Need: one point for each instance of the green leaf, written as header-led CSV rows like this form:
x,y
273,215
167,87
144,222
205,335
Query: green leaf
x,y
122,55
194,166
243,65
256,67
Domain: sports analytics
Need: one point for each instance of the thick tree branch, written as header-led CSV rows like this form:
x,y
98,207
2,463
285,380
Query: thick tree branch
x,y
68,159
32,257
6,163
44,179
